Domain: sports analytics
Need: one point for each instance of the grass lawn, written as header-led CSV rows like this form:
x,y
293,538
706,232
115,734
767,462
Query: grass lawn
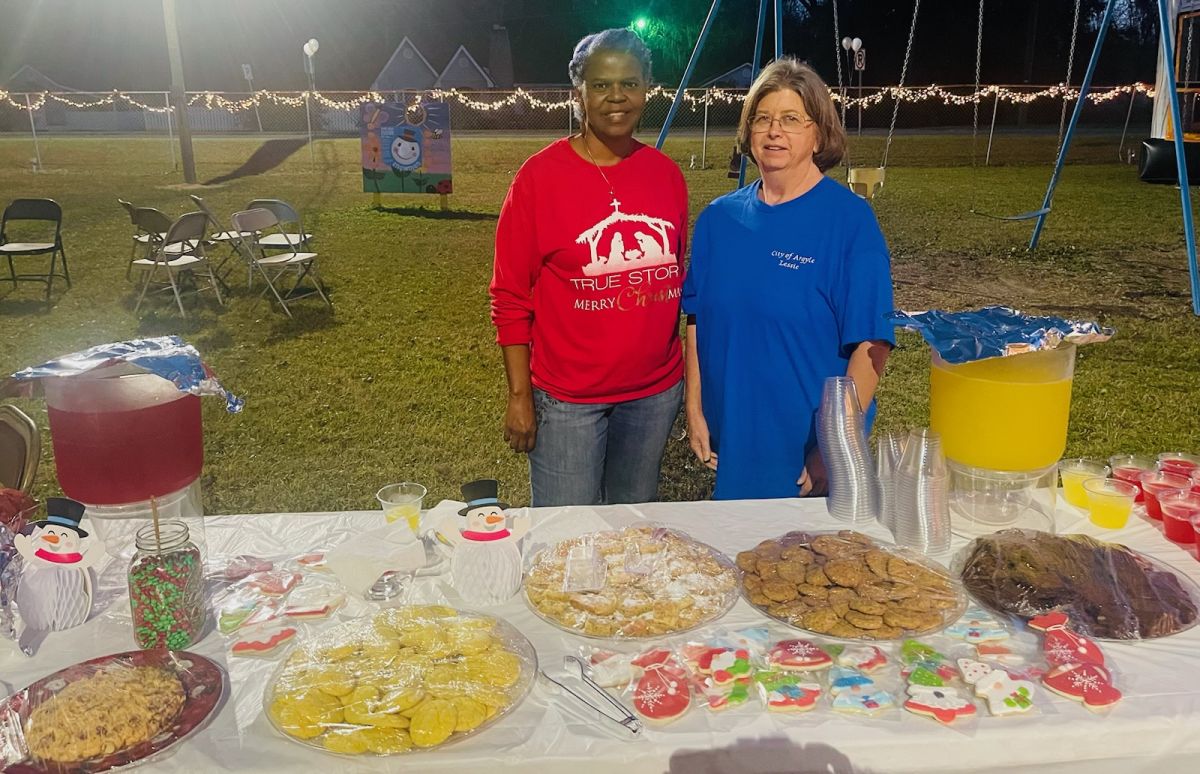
x,y
404,380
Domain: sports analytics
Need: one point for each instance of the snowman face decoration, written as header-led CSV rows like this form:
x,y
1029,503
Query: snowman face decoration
x,y
406,154
486,520
56,540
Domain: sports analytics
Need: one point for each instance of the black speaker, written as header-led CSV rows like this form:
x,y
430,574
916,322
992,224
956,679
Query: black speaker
x,y
1156,162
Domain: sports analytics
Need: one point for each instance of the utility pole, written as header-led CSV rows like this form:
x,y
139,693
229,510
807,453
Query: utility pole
x,y
178,94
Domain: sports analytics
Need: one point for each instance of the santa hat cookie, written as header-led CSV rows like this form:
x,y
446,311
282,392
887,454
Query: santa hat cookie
x,y
865,658
943,704
798,655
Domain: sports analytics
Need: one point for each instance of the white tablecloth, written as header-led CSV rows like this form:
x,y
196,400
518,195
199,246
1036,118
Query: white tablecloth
x,y
1155,728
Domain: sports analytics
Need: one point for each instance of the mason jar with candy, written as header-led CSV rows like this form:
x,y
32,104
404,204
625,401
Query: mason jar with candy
x,y
166,588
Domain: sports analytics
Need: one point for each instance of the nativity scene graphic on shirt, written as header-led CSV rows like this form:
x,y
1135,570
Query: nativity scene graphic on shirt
x,y
648,245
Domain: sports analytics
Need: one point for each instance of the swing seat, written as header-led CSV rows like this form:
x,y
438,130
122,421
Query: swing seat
x,y
1019,216
865,181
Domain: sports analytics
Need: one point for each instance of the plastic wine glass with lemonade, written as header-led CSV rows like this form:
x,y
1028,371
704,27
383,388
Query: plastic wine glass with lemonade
x,y
402,502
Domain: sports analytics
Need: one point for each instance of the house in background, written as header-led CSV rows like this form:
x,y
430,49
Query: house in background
x,y
411,68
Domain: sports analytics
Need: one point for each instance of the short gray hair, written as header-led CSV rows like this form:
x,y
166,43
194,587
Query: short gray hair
x,y
620,40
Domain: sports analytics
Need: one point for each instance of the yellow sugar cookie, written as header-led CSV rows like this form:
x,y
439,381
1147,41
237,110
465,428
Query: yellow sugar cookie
x,y
334,682
471,642
470,713
490,695
401,699
317,707
497,667
433,723
387,741
348,741
291,722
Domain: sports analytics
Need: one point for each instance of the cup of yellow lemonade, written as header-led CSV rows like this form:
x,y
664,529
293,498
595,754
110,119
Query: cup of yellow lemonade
x,y
1110,501
1074,473
402,502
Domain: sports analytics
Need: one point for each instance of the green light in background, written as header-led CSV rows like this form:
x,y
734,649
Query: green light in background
x,y
641,23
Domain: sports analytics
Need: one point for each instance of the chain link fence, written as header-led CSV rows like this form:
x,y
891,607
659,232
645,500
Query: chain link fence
x,y
1000,113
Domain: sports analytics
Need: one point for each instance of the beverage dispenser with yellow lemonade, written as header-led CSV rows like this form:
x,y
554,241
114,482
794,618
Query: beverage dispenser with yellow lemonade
x,y
1000,397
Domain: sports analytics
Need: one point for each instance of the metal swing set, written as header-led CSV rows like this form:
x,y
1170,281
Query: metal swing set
x,y
871,177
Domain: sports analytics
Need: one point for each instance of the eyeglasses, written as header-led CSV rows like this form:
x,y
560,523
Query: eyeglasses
x,y
791,123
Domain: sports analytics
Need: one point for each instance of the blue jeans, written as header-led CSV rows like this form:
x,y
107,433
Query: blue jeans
x,y
600,453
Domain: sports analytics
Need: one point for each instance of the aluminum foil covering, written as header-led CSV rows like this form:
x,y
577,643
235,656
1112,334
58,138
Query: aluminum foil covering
x,y
166,356
995,331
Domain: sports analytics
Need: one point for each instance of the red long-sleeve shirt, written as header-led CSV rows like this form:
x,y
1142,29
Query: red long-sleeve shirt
x,y
590,277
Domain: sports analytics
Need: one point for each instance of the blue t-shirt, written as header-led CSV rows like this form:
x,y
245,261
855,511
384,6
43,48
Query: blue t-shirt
x,y
782,294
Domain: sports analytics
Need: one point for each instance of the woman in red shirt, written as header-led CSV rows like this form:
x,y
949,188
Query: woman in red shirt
x,y
585,292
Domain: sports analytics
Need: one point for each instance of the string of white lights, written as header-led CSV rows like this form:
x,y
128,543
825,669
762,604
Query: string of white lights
x,y
694,98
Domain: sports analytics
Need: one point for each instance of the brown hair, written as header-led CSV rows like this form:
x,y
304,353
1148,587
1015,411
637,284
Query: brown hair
x,y
791,73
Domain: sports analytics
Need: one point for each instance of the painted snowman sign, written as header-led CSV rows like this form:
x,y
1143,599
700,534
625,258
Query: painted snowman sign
x,y
55,589
485,567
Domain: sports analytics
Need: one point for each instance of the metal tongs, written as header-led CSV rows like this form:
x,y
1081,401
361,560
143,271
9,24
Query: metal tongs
x,y
610,709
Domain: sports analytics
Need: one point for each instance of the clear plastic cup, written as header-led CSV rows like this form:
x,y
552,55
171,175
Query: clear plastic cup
x,y
1074,473
1179,462
1159,483
1110,501
1178,508
1130,467
402,502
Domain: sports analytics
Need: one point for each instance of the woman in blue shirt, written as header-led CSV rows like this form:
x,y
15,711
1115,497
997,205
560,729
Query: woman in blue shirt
x,y
789,284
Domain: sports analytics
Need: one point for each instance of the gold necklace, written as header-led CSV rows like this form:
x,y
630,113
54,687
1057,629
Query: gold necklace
x,y
588,150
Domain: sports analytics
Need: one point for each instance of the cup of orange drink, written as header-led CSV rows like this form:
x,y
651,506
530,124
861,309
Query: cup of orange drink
x,y
1109,501
402,502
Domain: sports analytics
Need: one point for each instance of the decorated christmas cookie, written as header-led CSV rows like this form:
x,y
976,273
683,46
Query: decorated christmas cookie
x,y
865,658
262,641
613,670
926,677
786,692
241,566
973,671
998,651
977,626
1004,695
798,655
661,695
274,582
944,705
727,666
1087,683
1064,646
855,692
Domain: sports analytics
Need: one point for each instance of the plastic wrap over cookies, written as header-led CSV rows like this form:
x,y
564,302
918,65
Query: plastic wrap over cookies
x,y
108,712
409,679
849,586
636,583
995,331
166,356
1108,590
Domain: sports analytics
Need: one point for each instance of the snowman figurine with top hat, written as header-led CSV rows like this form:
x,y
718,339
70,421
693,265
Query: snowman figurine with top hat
x,y
55,589
485,568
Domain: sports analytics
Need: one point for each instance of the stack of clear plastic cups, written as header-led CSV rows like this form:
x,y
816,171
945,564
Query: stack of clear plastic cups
x,y
842,436
922,519
888,452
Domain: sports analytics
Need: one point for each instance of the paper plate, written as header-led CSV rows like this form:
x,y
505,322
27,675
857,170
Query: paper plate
x,y
890,594
201,679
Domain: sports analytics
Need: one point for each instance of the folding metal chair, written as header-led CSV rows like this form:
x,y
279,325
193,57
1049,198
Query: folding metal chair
x,y
152,226
233,239
258,222
287,215
40,210
182,250
20,448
